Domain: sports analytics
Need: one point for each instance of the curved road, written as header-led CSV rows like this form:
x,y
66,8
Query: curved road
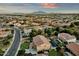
x,y
15,45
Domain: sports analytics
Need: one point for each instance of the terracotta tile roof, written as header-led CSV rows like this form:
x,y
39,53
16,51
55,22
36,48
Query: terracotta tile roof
x,y
65,36
39,39
3,33
74,48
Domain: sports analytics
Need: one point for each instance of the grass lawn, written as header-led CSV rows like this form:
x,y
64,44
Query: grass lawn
x,y
1,52
52,52
24,45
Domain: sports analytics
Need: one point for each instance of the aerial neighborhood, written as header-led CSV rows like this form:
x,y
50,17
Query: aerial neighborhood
x,y
39,34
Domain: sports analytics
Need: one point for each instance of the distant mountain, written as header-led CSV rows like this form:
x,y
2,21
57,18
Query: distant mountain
x,y
39,12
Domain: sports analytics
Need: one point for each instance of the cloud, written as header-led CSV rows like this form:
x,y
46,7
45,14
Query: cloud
x,y
49,5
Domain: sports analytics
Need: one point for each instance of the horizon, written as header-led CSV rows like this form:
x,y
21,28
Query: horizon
x,y
35,7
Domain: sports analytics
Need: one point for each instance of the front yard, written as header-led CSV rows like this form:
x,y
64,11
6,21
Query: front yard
x,y
52,52
24,46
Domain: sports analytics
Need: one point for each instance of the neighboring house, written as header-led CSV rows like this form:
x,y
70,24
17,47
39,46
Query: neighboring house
x,y
73,48
41,43
38,28
4,33
17,24
35,24
66,37
27,31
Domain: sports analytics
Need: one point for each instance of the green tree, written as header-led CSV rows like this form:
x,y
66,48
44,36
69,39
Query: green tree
x,y
1,52
6,43
21,52
60,51
72,25
76,23
48,31
9,36
33,33
57,29
39,32
56,33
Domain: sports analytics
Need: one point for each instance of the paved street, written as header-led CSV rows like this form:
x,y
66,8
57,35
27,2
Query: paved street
x,y
13,49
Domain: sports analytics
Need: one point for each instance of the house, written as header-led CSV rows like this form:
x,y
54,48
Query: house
x,y
38,28
27,31
66,37
3,33
41,43
35,24
73,48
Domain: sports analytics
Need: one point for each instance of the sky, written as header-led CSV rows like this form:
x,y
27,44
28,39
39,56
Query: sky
x,y
34,7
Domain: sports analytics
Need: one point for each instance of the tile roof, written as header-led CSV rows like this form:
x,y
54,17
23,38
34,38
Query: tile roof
x,y
74,48
65,36
39,39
